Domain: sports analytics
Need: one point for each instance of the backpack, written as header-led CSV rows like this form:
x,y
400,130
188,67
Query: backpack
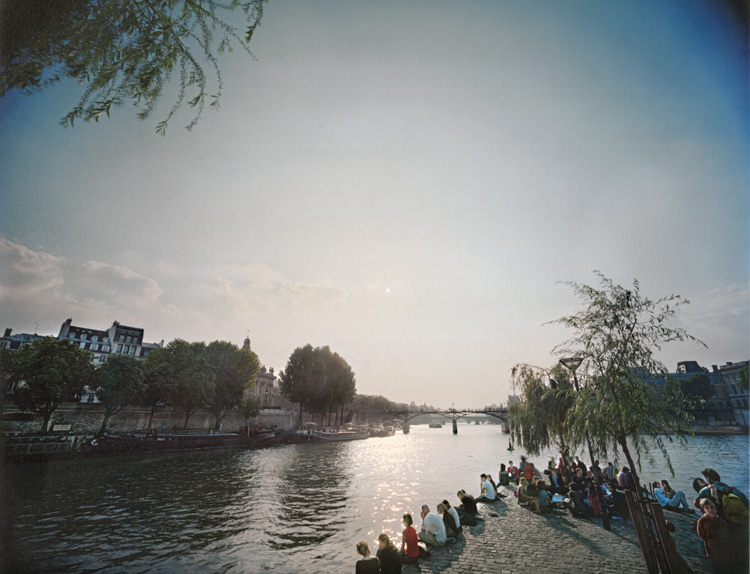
x,y
735,510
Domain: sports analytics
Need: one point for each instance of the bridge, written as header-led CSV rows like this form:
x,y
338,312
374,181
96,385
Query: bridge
x,y
453,415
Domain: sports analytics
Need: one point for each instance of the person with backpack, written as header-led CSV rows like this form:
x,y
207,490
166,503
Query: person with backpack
x,y
731,503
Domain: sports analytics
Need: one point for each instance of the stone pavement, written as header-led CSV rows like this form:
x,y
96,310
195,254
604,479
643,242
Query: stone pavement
x,y
513,539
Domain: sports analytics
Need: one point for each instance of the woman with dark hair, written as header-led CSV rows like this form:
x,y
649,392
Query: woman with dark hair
x,y
366,564
454,513
390,560
451,528
666,489
409,541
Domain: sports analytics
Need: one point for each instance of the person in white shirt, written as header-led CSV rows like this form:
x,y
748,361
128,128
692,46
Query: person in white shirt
x,y
488,491
433,529
454,513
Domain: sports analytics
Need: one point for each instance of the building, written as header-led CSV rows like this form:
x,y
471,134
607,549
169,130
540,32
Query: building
x,y
11,342
117,340
736,396
266,388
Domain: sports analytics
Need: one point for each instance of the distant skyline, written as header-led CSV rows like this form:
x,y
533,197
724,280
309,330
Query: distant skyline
x,y
406,182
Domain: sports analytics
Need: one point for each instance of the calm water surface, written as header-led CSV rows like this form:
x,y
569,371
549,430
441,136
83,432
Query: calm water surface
x,y
298,508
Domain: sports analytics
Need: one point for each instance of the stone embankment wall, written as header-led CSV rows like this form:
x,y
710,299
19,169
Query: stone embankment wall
x,y
87,418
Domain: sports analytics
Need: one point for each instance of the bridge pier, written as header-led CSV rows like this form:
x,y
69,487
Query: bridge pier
x,y
455,427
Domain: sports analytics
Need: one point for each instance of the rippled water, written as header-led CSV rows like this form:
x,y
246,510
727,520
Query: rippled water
x,y
298,508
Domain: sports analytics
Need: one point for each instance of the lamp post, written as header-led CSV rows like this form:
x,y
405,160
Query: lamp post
x,y
572,364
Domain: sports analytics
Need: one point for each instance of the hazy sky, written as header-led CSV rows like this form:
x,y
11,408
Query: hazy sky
x,y
406,182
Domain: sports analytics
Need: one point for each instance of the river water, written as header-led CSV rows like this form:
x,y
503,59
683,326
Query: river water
x,y
296,508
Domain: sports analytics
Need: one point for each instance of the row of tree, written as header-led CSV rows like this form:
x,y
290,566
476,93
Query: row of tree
x,y
190,376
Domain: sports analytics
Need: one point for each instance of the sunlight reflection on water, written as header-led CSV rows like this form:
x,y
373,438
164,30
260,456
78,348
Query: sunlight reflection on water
x,y
298,508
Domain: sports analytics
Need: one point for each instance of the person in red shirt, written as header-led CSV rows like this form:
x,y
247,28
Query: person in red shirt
x,y
409,541
513,472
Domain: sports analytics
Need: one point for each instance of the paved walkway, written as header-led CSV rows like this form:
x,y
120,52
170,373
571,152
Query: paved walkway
x,y
513,539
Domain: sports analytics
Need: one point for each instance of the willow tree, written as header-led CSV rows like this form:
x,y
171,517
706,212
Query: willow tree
x,y
124,50
619,404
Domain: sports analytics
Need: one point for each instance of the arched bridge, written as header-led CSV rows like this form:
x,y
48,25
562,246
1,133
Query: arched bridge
x,y
453,415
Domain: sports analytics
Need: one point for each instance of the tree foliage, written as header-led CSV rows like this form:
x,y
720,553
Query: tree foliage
x,y
47,372
125,50
540,419
121,383
616,335
693,391
319,380
235,371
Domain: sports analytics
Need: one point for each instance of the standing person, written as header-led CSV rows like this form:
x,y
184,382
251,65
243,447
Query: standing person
x,y
366,564
731,503
409,541
609,471
715,535
551,464
622,478
675,502
596,470
579,464
390,561
433,529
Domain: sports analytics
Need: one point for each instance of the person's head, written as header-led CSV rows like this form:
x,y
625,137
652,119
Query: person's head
x,y
483,477
502,467
384,540
524,482
711,475
573,486
699,484
610,463
510,463
406,519
425,510
596,462
363,549
579,472
625,469
540,485
447,504
461,495
656,484
665,485
708,506
440,508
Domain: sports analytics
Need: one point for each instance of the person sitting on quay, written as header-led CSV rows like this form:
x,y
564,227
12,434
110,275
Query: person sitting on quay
x,y
433,529
451,528
544,500
454,513
409,541
503,478
467,510
593,499
488,491
526,498
576,502
677,501
367,564
390,560
494,485
513,472
580,479
667,489
723,495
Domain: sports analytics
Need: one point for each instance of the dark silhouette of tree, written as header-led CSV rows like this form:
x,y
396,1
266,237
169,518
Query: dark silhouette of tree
x,y
125,50
47,372
121,383
235,370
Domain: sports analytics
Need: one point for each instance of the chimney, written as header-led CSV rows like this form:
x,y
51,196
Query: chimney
x,y
8,332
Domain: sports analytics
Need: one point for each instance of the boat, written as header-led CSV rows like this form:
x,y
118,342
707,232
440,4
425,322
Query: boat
x,y
324,435
382,431
170,442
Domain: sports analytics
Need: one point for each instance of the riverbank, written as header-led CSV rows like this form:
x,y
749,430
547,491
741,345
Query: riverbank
x,y
513,539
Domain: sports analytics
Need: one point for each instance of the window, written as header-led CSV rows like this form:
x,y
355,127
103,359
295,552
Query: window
x,y
82,345
119,348
127,340
106,339
95,338
132,350
105,348
83,336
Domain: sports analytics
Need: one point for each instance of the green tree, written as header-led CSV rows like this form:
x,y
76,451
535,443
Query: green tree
x,y
160,381
249,407
125,50
540,418
121,383
693,391
47,372
235,371
340,383
616,335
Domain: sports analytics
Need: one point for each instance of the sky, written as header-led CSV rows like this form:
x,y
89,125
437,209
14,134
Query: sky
x,y
410,183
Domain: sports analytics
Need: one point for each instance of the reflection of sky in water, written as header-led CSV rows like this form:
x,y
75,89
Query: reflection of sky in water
x,y
298,508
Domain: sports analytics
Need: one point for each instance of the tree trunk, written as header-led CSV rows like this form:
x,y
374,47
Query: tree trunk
x,y
151,417
104,424
631,465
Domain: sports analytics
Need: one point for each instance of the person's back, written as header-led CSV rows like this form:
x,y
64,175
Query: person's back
x,y
369,565
390,560
489,490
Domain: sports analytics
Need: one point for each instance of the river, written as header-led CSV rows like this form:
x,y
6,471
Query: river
x,y
296,508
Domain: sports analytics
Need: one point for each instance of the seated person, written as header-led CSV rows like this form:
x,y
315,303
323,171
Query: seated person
x,y
390,561
576,503
526,498
503,477
668,491
451,528
366,564
677,501
488,491
433,529
544,500
454,513
513,472
580,479
467,510
409,541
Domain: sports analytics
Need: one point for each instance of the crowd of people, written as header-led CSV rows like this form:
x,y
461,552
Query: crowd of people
x,y
583,491
444,526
